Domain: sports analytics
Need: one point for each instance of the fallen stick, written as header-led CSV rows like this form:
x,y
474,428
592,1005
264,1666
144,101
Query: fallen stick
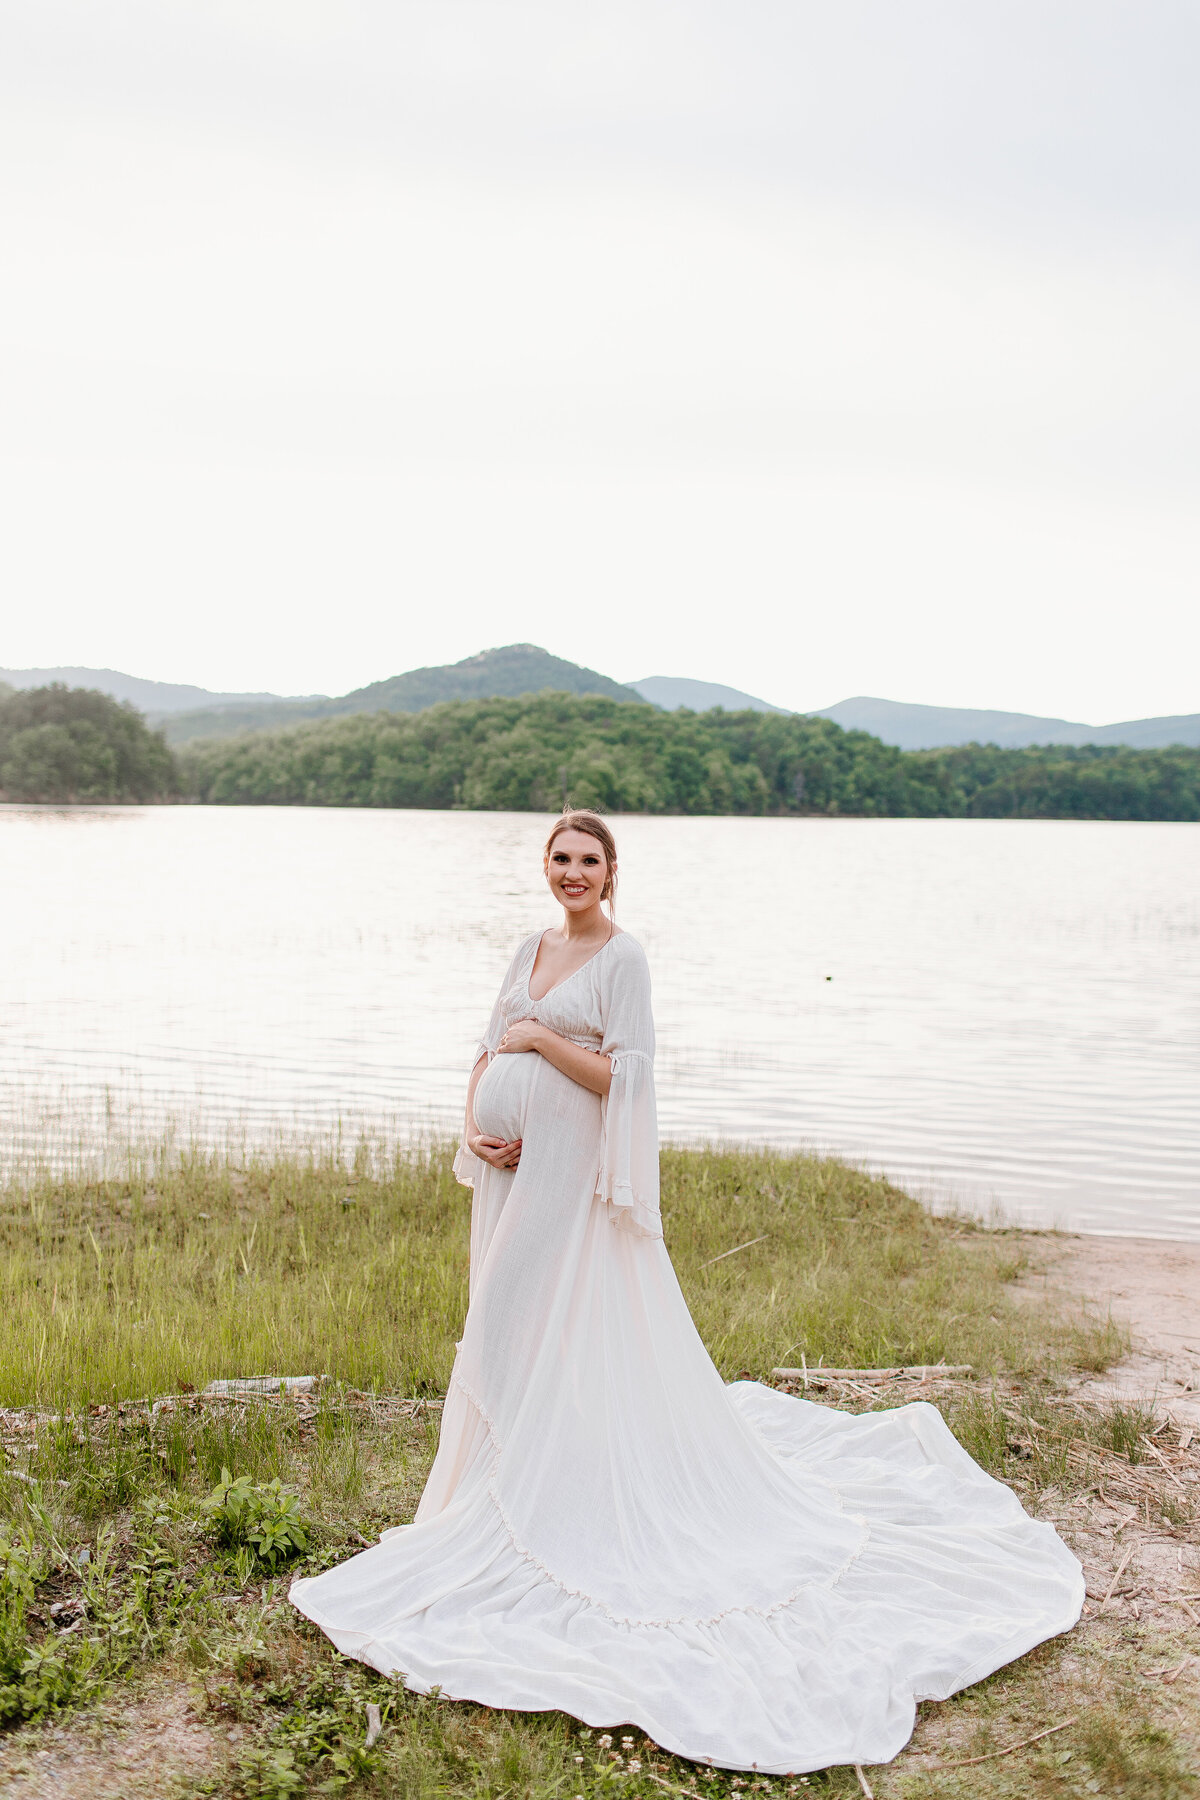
x,y
256,1387
968,1761
1191,1612
913,1372
1176,1673
1120,1571
236,1393
863,1783
1155,1451
690,1792
750,1242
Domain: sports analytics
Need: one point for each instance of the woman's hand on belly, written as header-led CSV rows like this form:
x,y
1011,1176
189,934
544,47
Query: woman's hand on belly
x,y
525,1034
590,1068
495,1151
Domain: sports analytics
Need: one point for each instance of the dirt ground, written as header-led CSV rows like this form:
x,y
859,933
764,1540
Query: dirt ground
x,y
143,1748
1154,1286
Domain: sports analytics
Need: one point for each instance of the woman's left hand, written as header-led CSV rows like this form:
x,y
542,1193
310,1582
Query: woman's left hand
x,y
526,1034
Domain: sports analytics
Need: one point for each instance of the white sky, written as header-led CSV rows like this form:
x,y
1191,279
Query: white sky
x,y
815,349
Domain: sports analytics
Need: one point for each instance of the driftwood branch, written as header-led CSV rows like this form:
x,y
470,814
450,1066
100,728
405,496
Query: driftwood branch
x,y
968,1761
913,1372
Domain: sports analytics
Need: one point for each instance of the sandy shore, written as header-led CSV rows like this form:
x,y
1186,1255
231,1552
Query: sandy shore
x,y
1154,1287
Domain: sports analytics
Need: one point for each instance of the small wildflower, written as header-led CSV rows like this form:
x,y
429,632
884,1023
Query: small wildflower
x,y
635,1767
627,1743
579,1759
605,1740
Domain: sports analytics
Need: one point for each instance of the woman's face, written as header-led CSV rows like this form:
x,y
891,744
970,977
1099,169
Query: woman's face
x,y
576,870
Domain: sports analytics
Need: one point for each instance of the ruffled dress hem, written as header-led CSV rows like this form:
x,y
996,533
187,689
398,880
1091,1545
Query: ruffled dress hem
x,y
484,1684
518,1637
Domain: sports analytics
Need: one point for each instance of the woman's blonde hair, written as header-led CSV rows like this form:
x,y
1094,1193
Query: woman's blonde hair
x,y
595,827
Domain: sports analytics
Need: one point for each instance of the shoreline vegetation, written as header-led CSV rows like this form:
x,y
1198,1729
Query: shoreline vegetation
x,y
76,744
525,755
148,1531
60,745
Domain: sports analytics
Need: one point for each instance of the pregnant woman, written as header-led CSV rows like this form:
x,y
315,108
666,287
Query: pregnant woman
x,y
609,1529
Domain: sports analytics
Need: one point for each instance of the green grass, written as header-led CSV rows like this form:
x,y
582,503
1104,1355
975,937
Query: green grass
x,y
178,1272
182,1271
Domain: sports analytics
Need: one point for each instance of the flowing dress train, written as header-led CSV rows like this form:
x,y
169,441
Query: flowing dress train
x,y
609,1529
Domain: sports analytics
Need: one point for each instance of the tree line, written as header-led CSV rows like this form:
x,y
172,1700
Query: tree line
x,y
525,755
529,754
76,744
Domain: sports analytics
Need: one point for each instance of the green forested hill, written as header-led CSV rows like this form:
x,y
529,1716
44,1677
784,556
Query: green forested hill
x,y
526,754
508,671
511,670
523,755
74,744
1070,781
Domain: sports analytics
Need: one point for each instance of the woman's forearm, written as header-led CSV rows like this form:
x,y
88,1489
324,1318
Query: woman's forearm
x,y
589,1068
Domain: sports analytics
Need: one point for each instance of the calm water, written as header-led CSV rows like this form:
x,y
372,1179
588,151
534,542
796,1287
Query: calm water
x,y
992,1012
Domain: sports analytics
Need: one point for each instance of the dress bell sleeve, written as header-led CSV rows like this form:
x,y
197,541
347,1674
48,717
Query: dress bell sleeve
x,y
466,1164
628,1176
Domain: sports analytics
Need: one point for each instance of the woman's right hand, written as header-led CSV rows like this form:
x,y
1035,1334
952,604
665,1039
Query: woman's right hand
x,y
495,1151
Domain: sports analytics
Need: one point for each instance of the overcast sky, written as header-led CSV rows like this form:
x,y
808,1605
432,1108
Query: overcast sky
x,y
817,349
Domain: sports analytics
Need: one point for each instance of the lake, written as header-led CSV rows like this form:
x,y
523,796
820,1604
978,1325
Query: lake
x,y
998,1014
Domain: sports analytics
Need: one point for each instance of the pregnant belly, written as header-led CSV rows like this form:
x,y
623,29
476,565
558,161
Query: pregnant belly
x,y
502,1096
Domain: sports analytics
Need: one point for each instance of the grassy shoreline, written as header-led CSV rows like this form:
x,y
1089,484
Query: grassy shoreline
x,y
129,1610
204,1265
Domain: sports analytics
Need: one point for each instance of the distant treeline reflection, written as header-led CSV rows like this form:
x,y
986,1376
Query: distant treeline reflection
x,y
524,754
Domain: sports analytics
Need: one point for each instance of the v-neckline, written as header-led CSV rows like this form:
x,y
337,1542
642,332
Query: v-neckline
x,y
574,972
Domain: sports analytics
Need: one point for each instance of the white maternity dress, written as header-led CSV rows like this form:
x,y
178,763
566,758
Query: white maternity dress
x,y
609,1529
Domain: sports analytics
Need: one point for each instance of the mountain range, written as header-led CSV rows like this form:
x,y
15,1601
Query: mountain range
x,y
913,727
189,712
157,697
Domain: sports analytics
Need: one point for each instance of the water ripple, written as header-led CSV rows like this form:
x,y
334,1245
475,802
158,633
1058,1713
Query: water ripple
x,y
1001,1014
